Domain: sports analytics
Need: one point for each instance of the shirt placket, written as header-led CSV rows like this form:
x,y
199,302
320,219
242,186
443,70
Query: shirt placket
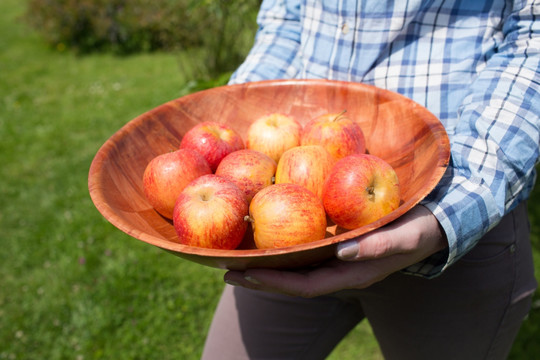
x,y
341,57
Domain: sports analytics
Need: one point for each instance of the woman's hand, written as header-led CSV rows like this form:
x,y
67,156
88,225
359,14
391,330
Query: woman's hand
x,y
359,262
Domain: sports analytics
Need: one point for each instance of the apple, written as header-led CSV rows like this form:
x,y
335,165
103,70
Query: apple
x,y
340,135
212,140
273,134
250,170
307,166
166,175
285,215
210,212
359,190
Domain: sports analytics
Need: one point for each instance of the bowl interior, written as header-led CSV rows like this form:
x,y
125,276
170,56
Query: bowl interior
x,y
397,129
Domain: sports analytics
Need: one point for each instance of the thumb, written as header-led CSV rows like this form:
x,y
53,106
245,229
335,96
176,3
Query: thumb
x,y
372,246
347,250
417,232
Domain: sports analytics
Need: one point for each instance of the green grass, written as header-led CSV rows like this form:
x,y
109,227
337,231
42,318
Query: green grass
x,y
72,286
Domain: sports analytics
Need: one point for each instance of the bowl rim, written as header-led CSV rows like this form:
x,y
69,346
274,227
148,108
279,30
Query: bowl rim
x,y
98,198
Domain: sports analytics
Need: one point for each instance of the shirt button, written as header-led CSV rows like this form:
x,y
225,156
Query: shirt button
x,y
345,28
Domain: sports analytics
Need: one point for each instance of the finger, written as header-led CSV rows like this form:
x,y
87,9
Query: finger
x,y
417,231
335,276
285,282
372,246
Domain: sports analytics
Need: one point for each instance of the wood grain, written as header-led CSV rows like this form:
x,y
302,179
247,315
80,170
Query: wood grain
x,y
398,130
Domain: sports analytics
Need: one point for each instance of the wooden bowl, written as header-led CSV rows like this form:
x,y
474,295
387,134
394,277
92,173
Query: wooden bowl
x,y
397,129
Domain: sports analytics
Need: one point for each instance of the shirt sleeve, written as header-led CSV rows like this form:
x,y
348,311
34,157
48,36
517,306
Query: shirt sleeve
x,y
275,53
496,143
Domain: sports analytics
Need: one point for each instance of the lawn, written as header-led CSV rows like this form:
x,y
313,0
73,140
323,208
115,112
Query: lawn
x,y
73,286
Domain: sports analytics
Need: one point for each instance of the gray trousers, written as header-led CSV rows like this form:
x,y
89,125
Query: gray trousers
x,y
472,311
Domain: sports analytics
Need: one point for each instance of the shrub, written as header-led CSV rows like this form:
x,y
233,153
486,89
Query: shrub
x,y
127,26
225,42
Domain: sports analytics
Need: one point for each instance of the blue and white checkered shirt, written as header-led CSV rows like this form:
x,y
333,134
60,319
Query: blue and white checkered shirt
x,y
474,64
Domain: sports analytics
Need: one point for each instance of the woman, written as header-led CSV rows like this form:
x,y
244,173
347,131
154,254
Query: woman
x,y
453,278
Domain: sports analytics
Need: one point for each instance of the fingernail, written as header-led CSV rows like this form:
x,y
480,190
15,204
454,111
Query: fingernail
x,y
347,250
231,282
252,280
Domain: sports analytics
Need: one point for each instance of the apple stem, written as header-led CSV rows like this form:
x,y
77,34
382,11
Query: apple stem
x,y
340,115
249,219
371,192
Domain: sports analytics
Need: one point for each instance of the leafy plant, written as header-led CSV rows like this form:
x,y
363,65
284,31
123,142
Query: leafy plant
x,y
123,27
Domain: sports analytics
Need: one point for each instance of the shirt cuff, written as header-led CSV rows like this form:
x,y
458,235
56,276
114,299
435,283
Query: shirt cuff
x,y
466,210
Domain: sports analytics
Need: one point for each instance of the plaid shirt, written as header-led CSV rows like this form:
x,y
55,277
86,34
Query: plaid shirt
x,y
474,64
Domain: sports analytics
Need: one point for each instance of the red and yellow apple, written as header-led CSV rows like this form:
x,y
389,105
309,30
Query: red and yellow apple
x,y
340,135
307,166
212,140
249,169
273,134
168,174
359,190
210,212
285,215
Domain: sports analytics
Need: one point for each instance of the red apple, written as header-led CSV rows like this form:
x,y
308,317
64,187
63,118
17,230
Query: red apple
x,y
212,140
168,174
273,134
250,170
359,190
340,135
307,166
210,213
286,215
